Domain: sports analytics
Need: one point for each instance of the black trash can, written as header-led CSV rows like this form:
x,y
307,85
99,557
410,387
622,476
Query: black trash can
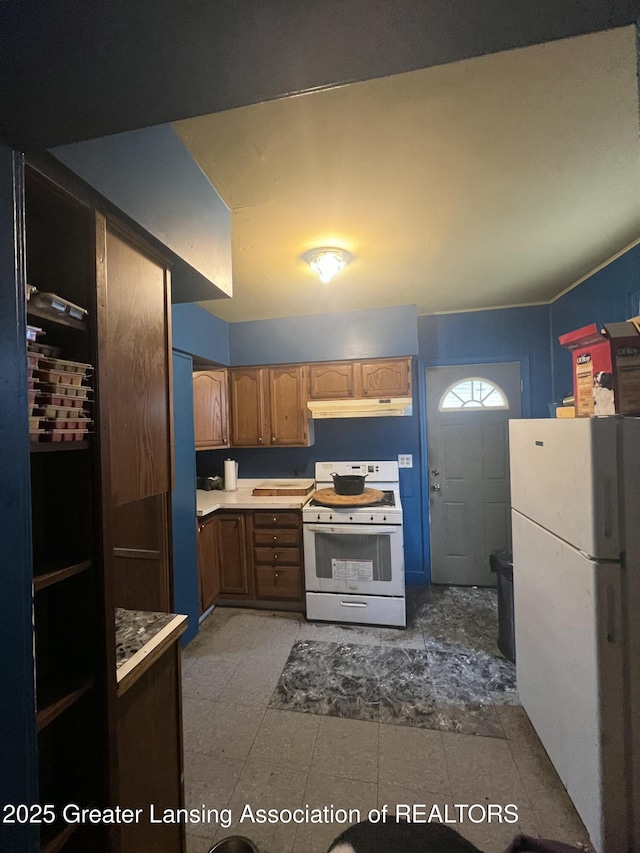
x,y
501,562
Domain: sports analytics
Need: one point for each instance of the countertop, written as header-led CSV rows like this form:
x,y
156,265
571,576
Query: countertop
x,y
208,502
141,638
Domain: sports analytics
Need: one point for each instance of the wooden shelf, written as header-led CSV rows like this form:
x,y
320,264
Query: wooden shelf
x,y
57,841
65,698
56,446
56,317
55,574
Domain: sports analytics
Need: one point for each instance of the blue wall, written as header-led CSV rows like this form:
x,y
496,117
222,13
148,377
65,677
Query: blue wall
x,y
376,332
152,177
609,295
506,334
186,595
197,332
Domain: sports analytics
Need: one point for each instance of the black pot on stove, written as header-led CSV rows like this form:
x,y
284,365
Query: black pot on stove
x,y
348,484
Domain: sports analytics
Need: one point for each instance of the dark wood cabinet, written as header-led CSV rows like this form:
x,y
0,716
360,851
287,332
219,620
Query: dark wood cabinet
x,y
208,562
385,378
135,366
100,506
277,554
74,648
210,409
268,407
149,734
235,572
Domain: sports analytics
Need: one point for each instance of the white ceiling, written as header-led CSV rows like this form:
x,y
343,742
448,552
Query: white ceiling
x,y
489,182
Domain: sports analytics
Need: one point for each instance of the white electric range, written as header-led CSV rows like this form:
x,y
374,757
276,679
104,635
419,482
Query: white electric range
x,y
354,556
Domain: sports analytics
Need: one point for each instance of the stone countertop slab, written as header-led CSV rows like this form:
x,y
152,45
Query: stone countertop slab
x,y
208,502
141,638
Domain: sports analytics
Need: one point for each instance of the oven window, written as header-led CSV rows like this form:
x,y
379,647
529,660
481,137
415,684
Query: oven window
x,y
365,557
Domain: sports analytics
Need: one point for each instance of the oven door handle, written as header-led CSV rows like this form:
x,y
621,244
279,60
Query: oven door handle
x,y
355,530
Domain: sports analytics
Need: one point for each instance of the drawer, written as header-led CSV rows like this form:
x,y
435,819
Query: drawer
x,y
361,609
276,538
280,582
276,556
276,519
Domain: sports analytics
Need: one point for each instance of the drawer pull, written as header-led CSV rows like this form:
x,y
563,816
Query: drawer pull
x,y
275,538
353,604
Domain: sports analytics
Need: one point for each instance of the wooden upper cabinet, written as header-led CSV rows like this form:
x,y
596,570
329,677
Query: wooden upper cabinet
x,y
134,369
287,406
268,406
385,378
210,410
249,407
332,381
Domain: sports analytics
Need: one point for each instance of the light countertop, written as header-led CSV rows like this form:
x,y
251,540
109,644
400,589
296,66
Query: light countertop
x,y
208,502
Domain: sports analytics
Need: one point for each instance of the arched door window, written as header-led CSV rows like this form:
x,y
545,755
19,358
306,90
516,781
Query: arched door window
x,y
472,394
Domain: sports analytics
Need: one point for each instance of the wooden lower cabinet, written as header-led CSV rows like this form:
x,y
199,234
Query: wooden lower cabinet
x,y
208,562
149,735
250,555
277,555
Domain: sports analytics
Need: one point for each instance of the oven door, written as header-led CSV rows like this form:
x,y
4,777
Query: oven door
x,y
354,558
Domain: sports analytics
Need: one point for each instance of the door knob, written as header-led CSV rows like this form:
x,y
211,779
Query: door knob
x,y
435,487
435,472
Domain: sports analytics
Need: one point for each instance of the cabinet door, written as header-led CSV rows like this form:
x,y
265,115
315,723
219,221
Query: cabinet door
x,y
134,369
208,563
210,412
388,378
333,381
249,410
234,567
288,406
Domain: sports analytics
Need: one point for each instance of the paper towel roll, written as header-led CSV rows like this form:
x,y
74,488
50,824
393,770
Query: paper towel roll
x,y
230,475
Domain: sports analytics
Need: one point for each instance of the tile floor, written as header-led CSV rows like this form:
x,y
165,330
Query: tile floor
x,y
242,751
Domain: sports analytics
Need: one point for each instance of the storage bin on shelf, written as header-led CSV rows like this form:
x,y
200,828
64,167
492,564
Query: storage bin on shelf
x,y
59,391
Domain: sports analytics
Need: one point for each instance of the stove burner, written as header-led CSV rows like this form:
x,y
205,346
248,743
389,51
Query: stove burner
x,y
387,500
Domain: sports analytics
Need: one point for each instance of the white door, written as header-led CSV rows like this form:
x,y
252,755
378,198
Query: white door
x,y
468,410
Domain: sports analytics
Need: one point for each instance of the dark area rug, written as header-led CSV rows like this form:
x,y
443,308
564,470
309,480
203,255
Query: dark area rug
x,y
452,678
427,689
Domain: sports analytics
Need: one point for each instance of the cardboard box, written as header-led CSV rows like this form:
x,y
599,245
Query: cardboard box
x,y
606,368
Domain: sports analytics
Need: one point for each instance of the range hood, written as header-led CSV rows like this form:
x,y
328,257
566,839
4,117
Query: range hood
x,y
387,407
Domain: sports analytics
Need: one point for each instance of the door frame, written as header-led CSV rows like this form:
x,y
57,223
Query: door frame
x,y
423,364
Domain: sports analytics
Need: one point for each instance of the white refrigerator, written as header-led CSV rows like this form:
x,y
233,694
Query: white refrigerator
x,y
575,493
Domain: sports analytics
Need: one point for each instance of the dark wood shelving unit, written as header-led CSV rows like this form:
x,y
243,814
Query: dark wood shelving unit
x,y
65,697
58,446
56,317
58,571
54,843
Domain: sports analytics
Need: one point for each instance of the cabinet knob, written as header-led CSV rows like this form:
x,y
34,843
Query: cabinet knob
x,y
275,538
350,392
364,391
273,439
274,519
259,439
276,575
275,556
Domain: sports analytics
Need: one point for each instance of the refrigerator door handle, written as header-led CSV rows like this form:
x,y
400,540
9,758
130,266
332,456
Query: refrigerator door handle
x,y
612,622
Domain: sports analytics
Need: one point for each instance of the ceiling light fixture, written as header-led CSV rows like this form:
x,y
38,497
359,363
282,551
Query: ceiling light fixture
x,y
327,261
